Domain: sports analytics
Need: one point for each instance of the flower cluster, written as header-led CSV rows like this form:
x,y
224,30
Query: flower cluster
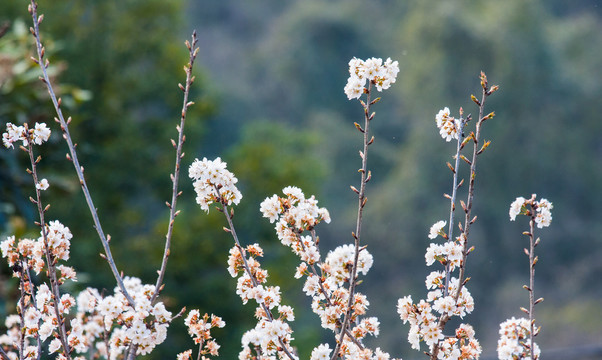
x,y
200,330
294,214
445,299
38,135
213,183
541,210
270,333
39,320
144,325
37,304
382,75
515,342
448,125
30,253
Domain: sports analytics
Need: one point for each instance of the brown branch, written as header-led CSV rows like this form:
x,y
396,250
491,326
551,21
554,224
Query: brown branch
x,y
358,225
43,64
50,258
193,51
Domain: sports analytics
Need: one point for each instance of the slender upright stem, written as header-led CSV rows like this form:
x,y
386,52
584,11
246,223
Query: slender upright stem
x,y
531,284
21,310
50,258
198,357
132,350
193,51
468,219
358,225
452,204
73,155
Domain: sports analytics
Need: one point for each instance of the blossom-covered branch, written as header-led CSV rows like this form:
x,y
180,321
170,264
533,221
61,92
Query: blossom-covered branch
x,y
213,183
516,335
448,296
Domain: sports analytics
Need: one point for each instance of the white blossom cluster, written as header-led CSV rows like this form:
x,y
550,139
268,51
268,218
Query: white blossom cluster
x,y
266,339
382,75
543,210
99,322
441,301
38,135
514,342
200,330
294,214
448,125
144,325
293,211
39,314
213,183
30,253
39,321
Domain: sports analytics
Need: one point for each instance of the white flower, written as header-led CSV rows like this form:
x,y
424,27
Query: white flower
x,y
436,229
356,68
543,217
544,213
442,116
447,125
354,88
270,208
404,308
42,185
516,207
544,204
322,352
294,193
445,305
54,346
41,133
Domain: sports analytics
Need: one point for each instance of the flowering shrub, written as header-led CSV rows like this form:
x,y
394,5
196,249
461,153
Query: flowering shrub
x,y
133,321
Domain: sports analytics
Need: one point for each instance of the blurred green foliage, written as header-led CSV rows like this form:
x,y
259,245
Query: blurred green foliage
x,y
269,100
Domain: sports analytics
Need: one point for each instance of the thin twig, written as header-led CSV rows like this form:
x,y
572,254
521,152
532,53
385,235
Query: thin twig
x,y
21,311
468,220
532,279
50,258
452,203
358,225
34,302
73,155
193,51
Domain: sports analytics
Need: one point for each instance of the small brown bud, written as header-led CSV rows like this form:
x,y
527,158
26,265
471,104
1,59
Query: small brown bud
x,y
524,310
451,167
